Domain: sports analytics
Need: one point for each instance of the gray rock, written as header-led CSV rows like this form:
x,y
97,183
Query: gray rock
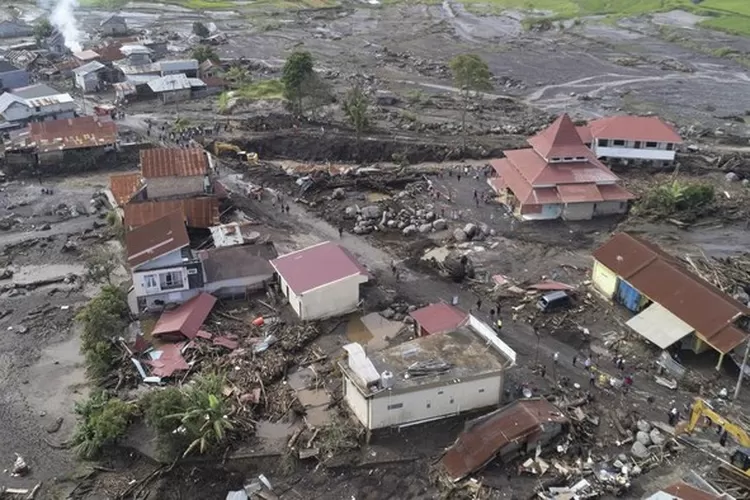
x,y
408,320
643,438
656,437
745,182
470,230
643,426
338,194
425,228
362,229
387,313
350,212
45,227
622,457
429,216
731,177
638,450
371,212
391,223
6,274
742,296
484,228
21,329
409,230
460,235
439,224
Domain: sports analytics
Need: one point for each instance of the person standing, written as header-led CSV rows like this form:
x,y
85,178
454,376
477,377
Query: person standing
x,y
341,232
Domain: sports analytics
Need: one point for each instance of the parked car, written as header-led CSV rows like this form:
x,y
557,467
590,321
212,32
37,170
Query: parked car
x,y
554,300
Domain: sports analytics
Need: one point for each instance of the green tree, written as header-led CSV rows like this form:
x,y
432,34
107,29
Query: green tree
x,y
296,75
200,29
101,263
472,75
238,76
101,422
42,29
204,53
357,110
103,320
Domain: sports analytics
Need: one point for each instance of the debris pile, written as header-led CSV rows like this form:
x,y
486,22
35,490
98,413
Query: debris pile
x,y
728,274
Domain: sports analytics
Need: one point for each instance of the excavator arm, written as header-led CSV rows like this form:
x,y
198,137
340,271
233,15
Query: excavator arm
x,y
702,409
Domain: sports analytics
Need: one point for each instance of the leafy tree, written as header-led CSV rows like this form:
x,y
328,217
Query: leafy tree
x,y
157,406
103,320
470,74
204,53
101,263
200,29
181,124
315,94
42,29
238,76
356,109
297,71
101,422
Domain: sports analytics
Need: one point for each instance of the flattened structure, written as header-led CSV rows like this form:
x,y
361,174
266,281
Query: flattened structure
x,y
187,319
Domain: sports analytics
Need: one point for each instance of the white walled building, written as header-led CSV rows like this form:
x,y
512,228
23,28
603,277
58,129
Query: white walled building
x,y
632,138
320,281
428,378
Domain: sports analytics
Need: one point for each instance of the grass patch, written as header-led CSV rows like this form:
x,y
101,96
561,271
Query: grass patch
x,y
263,89
723,52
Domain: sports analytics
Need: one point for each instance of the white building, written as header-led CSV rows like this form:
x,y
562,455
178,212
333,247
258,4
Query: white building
x,y
38,102
88,76
428,378
320,281
187,67
632,138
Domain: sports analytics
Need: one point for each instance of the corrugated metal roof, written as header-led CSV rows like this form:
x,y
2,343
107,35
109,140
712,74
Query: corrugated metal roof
x,y
579,193
663,279
71,133
316,266
439,318
187,319
90,67
659,326
156,238
173,162
86,55
199,212
179,65
487,436
131,49
634,128
170,83
238,261
124,186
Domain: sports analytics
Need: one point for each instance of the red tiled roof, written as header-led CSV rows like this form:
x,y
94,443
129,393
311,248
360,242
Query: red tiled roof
x,y
187,319
579,193
614,192
124,186
488,435
199,212
173,162
684,491
156,238
661,278
316,266
634,128
72,133
560,139
439,318
539,172
584,132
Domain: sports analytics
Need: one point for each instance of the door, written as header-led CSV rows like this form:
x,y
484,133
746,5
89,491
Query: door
x,y
628,296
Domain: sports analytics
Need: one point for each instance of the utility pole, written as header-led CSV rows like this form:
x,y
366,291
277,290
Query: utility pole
x,y
742,370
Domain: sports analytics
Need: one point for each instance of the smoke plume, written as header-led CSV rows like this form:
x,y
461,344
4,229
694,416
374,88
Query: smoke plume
x,y
64,20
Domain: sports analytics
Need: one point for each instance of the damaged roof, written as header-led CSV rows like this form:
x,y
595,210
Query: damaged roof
x,y
156,238
439,318
200,212
69,133
173,162
226,263
170,83
124,186
316,266
90,67
186,319
485,437
659,276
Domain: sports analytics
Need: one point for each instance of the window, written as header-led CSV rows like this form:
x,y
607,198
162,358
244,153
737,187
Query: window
x,y
395,406
440,392
171,280
481,390
602,143
670,146
149,281
637,145
555,159
618,142
580,158
651,144
192,271
568,158
429,405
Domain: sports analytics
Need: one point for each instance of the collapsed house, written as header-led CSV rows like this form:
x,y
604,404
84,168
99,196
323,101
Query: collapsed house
x,y
558,177
673,307
437,318
320,281
428,378
514,430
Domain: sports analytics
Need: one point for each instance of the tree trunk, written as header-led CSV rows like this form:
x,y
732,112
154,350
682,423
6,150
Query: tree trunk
x,y
463,121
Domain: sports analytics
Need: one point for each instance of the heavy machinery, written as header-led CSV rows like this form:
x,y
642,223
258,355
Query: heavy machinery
x,y
223,148
738,467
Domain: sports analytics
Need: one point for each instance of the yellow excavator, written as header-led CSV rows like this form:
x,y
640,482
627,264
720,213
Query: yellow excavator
x,y
738,468
222,148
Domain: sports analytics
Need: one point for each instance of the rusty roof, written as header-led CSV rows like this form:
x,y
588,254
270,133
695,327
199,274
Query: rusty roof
x,y
439,318
156,238
124,186
187,319
200,212
173,162
660,277
486,436
316,266
634,128
560,139
71,133
684,491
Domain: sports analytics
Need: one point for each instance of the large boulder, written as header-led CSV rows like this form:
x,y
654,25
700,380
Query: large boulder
x,y
350,212
425,228
460,235
439,224
371,212
409,230
643,438
656,437
338,194
638,450
643,426
470,230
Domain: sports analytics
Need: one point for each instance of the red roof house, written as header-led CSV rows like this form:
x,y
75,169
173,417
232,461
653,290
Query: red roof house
x,y
321,280
646,138
438,318
186,320
559,176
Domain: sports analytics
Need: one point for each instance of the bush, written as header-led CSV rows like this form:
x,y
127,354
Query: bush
x,y
101,422
103,320
157,406
686,200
